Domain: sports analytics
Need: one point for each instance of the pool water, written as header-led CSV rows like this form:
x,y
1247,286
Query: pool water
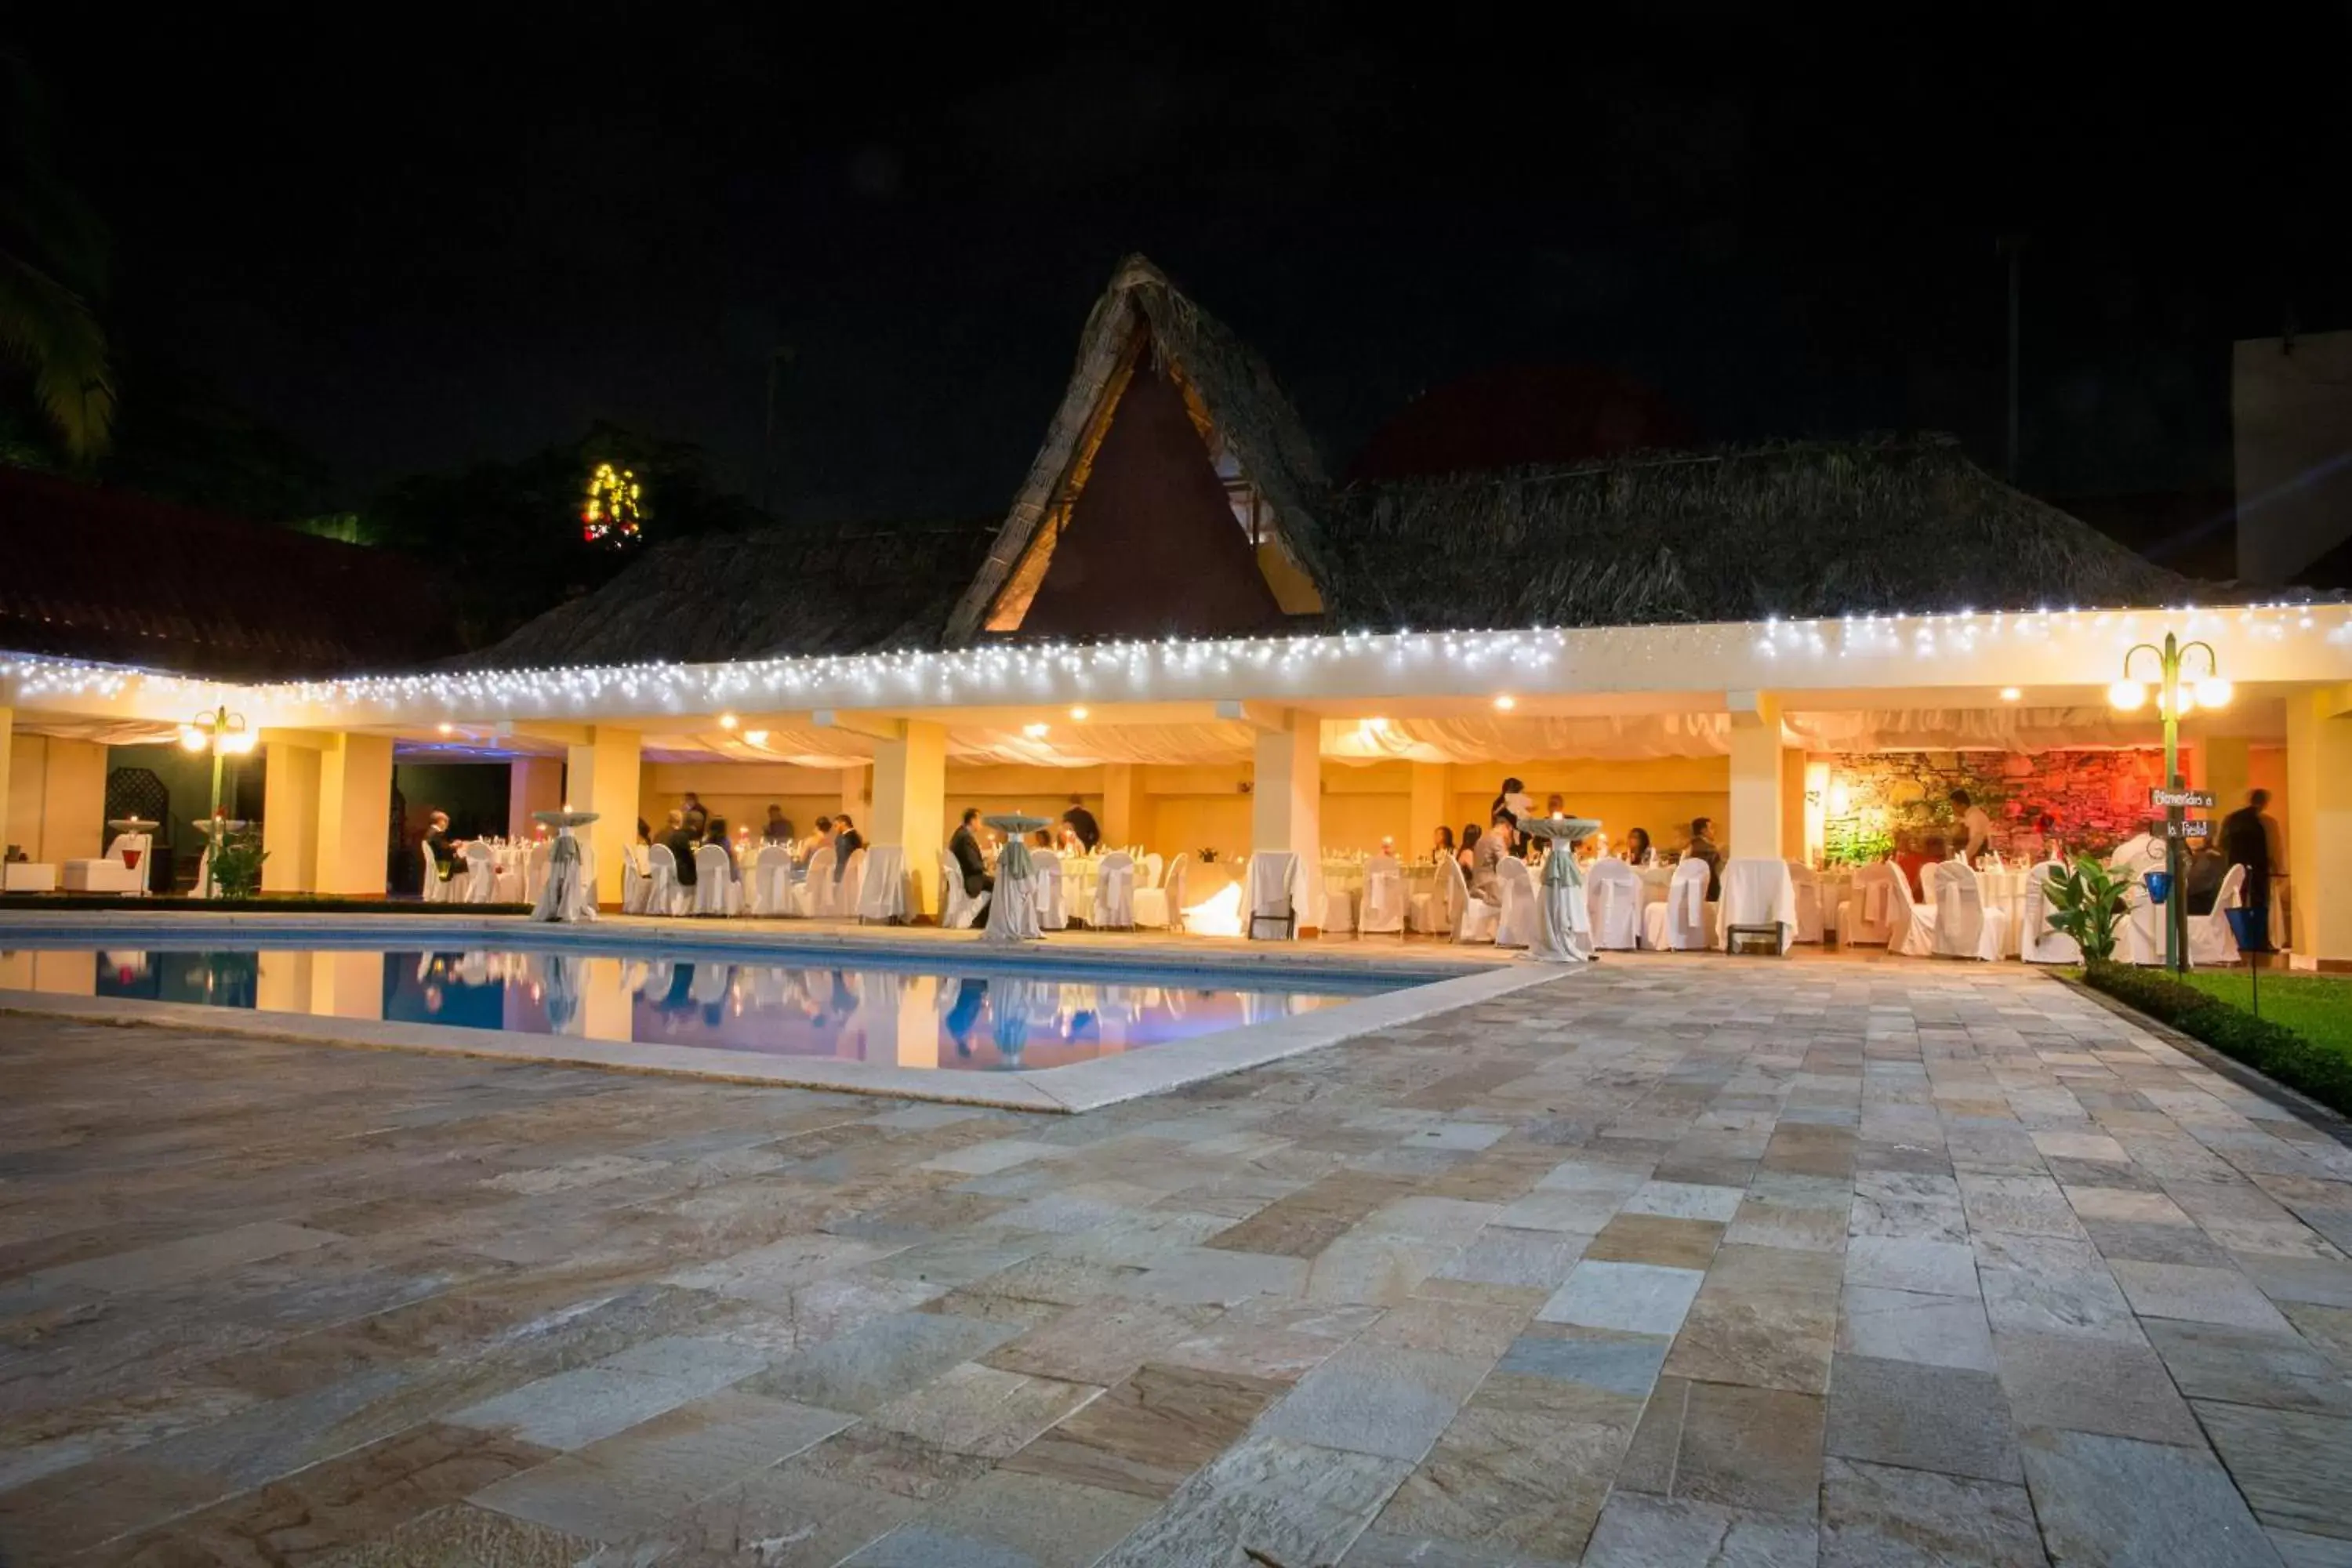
x,y
963,1017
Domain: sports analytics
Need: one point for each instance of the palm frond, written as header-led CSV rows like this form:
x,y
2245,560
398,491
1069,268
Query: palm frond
x,y
54,334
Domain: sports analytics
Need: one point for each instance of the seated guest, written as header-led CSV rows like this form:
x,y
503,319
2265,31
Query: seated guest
x,y
1493,846
971,861
680,841
715,833
1042,840
1637,847
1702,847
780,828
846,841
1082,823
645,834
2203,877
818,838
1467,856
1442,847
437,845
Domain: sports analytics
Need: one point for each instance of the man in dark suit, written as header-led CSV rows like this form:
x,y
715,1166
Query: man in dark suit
x,y
2246,841
1082,823
846,841
680,842
972,862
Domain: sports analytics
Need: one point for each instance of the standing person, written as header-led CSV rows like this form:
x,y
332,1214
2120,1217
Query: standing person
x,y
1974,832
780,826
1082,823
1702,847
645,834
2247,836
1513,799
1442,847
846,841
972,862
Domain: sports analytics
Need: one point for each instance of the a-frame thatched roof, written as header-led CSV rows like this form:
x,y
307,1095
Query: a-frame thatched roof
x,y
1798,530
1232,389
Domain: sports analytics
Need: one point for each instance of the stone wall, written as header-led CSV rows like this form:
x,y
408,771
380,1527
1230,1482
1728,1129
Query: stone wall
x,y
2097,799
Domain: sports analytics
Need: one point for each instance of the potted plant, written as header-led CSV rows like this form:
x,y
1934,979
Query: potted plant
x,y
236,865
2086,902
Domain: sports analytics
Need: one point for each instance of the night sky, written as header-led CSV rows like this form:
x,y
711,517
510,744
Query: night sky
x,y
455,234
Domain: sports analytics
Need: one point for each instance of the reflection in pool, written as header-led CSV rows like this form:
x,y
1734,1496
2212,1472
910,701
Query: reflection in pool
x,y
976,1019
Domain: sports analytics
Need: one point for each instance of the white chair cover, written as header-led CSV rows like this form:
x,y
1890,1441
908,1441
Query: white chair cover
x,y
1515,920
1339,911
1612,901
663,895
957,908
1685,922
535,874
636,879
716,891
481,875
1964,927
1808,884
1867,919
1155,902
1045,873
2142,932
882,890
2037,942
1114,906
2210,941
820,894
770,889
566,893
1273,892
1758,893
1383,910
1467,917
434,890
1910,927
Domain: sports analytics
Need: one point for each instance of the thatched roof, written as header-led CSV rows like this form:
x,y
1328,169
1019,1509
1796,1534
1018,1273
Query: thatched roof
x,y
1140,311
1812,529
779,591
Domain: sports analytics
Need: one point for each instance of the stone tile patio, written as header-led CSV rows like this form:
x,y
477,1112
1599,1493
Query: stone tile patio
x,y
1673,1261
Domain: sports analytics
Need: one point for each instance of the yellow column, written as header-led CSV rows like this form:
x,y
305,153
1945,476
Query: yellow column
x,y
355,814
2319,824
854,793
1287,805
7,787
600,775
536,783
290,818
911,794
1123,805
57,804
1426,813
2228,769
1758,777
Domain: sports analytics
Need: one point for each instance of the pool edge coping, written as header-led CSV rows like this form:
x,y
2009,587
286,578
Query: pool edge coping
x,y
1074,1089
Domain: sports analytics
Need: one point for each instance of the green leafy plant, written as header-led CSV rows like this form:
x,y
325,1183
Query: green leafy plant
x,y
2086,902
237,867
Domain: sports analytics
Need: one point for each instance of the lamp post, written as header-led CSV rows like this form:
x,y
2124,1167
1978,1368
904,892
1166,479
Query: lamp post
x,y
226,735
2174,698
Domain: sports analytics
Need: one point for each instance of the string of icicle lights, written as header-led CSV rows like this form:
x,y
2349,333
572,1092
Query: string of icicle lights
x,y
1171,668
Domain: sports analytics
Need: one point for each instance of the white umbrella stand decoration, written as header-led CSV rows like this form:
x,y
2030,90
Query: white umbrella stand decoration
x,y
1564,934
1012,909
569,896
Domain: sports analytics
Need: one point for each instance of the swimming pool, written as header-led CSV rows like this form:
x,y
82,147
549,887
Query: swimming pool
x,y
948,1013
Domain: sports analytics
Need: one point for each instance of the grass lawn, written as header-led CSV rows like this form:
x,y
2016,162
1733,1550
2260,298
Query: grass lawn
x,y
2317,1006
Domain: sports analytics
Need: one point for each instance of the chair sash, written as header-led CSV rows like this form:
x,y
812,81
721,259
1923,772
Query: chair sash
x,y
1960,910
1686,905
1612,895
818,887
481,874
1384,909
662,891
772,881
1046,871
1515,924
